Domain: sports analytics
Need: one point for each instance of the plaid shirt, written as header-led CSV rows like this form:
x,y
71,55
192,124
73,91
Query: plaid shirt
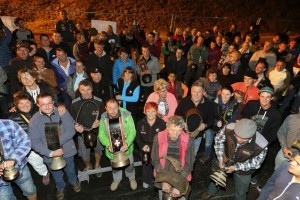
x,y
252,163
16,144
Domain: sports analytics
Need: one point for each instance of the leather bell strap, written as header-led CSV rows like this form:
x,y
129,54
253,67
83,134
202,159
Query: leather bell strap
x,y
114,124
79,111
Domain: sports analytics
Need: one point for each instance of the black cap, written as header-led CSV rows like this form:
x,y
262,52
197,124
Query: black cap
x,y
250,73
97,70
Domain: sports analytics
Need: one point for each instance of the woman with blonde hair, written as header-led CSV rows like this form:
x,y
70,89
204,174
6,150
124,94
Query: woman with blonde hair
x,y
166,101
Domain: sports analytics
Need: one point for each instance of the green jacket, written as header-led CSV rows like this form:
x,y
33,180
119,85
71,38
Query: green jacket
x,y
194,54
129,132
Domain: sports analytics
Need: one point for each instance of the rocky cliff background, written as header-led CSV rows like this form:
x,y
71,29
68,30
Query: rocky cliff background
x,y
277,15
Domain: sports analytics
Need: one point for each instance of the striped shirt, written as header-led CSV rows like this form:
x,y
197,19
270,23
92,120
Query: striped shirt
x,y
252,163
16,144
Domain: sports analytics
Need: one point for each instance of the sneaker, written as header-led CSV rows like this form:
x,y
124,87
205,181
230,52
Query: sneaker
x,y
87,168
98,175
203,159
114,186
46,179
77,187
60,194
133,184
253,180
145,185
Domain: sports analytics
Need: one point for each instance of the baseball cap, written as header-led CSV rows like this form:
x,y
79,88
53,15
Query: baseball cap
x,y
266,89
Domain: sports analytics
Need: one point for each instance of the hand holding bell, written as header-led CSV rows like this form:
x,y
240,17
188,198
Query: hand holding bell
x,y
8,170
8,163
79,128
96,124
230,169
221,164
57,153
166,187
202,127
124,147
146,148
175,192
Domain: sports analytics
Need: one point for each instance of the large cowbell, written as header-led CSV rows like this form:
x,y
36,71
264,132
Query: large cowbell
x,y
52,133
117,139
9,173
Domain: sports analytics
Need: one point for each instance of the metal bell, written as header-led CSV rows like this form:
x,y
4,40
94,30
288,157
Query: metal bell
x,y
219,177
120,160
146,157
90,139
58,163
10,173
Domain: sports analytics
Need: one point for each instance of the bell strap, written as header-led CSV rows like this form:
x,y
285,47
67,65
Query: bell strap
x,y
121,128
25,118
88,101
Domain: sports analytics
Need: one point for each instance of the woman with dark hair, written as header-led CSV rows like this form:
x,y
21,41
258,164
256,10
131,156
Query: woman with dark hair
x,y
224,75
129,91
121,63
24,112
45,74
146,129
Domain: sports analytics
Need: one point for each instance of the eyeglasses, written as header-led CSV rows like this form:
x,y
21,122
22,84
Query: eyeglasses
x,y
46,104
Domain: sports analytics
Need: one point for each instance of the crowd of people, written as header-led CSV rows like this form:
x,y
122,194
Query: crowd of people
x,y
219,86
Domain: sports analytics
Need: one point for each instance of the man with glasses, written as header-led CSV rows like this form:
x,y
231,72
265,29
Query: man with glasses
x,y
37,127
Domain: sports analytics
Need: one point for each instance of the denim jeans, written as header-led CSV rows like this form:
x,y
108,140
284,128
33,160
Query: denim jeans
x,y
209,140
58,175
24,182
197,143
